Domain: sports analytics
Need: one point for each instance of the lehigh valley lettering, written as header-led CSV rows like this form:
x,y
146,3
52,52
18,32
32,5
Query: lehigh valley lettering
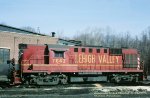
x,y
100,59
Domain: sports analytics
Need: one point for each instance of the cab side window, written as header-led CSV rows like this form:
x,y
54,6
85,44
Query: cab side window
x,y
59,54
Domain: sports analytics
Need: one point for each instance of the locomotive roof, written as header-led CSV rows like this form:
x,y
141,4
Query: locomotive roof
x,y
66,46
87,46
62,46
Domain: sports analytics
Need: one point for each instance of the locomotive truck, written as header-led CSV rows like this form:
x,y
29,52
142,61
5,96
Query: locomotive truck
x,y
53,64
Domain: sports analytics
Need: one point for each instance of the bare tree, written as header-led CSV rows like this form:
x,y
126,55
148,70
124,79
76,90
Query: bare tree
x,y
29,28
107,38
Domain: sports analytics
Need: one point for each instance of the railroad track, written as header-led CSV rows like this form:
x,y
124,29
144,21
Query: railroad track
x,y
77,90
93,90
78,84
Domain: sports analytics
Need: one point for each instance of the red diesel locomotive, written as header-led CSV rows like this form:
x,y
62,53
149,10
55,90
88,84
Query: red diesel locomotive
x,y
53,64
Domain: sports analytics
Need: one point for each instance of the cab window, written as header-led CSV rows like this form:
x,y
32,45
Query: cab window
x,y
59,54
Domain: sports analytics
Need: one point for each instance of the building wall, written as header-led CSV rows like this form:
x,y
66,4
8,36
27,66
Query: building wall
x,y
10,40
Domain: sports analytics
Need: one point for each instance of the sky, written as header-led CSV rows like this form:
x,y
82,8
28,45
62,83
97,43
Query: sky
x,y
71,16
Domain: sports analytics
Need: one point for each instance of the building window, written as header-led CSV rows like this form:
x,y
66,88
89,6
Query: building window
x,y
83,49
75,49
4,55
59,54
105,50
98,50
90,50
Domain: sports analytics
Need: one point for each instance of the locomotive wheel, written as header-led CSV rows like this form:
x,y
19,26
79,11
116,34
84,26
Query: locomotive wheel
x,y
27,82
110,79
117,79
63,79
85,79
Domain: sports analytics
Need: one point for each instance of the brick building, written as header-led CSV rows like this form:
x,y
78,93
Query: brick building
x,y
10,37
